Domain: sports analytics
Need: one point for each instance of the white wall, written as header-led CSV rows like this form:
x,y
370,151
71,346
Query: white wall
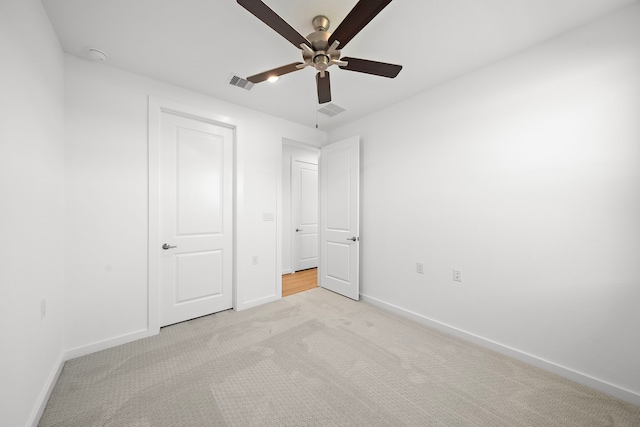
x,y
291,149
106,245
31,209
526,176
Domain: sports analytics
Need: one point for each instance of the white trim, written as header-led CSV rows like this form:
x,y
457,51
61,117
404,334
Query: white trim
x,y
106,344
238,210
579,377
279,215
157,106
298,144
41,404
153,270
260,301
72,354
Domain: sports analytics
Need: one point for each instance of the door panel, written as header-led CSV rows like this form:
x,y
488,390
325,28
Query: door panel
x,y
199,180
196,159
339,217
304,204
308,194
308,247
198,275
338,262
338,162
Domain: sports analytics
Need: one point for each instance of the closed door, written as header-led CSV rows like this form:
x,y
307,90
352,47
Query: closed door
x,y
196,193
304,204
339,217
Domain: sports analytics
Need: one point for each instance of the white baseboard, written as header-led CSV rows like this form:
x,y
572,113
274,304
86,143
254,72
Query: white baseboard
x,y
259,301
105,344
46,391
72,354
580,378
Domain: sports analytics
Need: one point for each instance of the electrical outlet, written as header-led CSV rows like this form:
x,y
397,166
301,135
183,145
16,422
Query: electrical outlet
x,y
419,267
254,260
43,308
457,275
268,216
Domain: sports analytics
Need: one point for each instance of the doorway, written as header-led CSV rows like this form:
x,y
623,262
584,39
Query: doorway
x,y
191,213
338,206
302,212
300,217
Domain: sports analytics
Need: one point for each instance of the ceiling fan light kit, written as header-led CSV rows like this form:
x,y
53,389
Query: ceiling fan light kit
x,y
320,48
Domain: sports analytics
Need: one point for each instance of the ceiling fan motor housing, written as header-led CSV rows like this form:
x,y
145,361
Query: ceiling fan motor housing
x,y
322,56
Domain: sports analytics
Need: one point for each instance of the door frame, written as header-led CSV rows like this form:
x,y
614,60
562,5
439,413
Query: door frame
x,y
281,232
157,106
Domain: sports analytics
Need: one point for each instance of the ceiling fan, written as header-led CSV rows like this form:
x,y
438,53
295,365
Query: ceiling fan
x,y
320,48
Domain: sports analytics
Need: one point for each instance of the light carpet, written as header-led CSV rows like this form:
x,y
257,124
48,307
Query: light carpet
x,y
317,359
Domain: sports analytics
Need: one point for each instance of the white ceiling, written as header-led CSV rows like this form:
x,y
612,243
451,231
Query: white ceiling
x,y
199,44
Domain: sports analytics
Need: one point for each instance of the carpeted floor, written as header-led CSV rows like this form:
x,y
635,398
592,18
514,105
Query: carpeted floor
x,y
317,359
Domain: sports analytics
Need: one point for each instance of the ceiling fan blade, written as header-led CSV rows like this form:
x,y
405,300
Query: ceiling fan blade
x,y
324,88
285,69
272,19
371,67
363,12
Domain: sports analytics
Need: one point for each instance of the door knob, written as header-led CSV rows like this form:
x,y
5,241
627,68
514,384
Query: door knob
x,y
166,246
353,238
298,229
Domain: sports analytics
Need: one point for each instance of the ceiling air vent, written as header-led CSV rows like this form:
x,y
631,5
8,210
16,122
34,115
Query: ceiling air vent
x,y
331,109
240,82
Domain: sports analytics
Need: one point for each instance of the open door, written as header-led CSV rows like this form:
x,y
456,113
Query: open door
x,y
339,217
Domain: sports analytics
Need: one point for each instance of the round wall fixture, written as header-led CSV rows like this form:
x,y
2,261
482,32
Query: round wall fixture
x,y
96,54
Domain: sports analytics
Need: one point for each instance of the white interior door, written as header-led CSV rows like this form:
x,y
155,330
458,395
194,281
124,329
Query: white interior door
x,y
339,217
304,205
196,195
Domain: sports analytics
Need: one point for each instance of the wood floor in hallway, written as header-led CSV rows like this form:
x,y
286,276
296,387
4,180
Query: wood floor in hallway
x,y
299,281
